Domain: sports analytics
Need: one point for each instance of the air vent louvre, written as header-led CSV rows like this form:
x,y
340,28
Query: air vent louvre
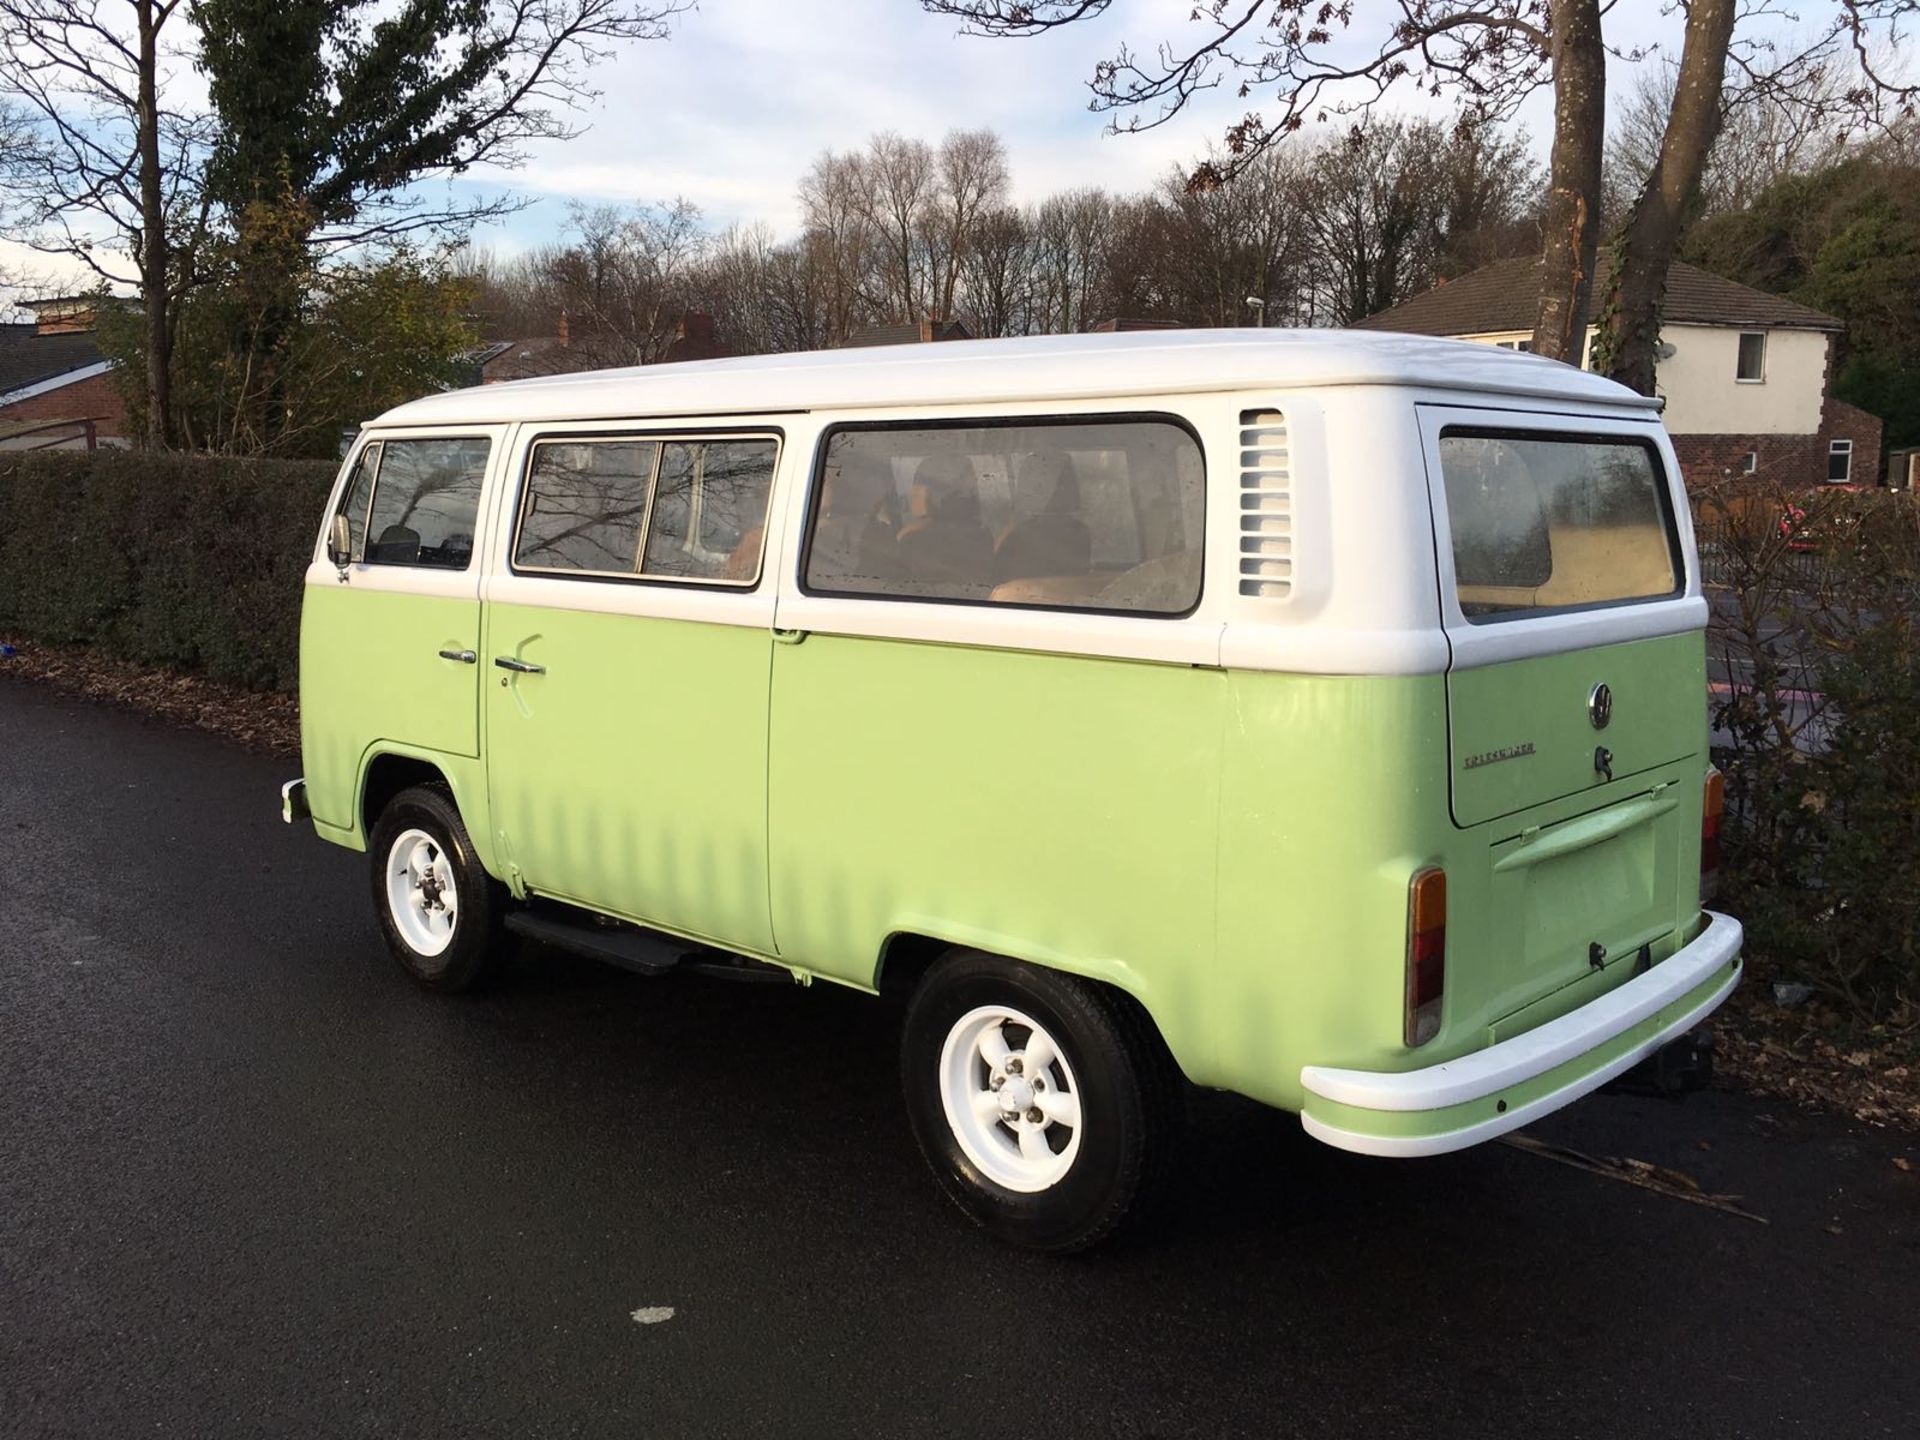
x,y
1266,505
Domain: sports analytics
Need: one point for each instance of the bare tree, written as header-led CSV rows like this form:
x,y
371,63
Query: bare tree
x,y
901,186
1318,59
1488,54
1071,238
110,175
628,276
972,169
840,237
1222,244
1787,128
996,294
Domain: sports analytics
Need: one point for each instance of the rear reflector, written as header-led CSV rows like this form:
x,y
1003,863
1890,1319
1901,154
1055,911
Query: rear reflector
x,y
1713,807
1426,955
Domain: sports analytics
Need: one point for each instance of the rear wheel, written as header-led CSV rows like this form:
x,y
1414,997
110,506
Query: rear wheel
x,y
1047,1106
439,909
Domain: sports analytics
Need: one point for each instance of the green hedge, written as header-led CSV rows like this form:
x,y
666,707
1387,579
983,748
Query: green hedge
x,y
185,561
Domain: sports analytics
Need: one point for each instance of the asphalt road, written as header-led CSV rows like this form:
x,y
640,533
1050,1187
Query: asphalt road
x,y
252,1183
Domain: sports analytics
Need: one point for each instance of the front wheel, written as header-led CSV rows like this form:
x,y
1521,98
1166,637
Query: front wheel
x,y
439,909
1047,1106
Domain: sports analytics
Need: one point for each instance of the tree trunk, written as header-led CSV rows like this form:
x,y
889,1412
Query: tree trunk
x,y
1573,197
153,258
1630,334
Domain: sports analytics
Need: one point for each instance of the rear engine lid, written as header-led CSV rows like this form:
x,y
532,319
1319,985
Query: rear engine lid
x,y
1531,731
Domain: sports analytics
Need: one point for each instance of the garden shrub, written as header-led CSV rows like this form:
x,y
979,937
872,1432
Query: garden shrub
x,y
186,561
1815,627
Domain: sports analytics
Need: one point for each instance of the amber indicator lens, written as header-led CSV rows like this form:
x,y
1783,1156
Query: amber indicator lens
x,y
1426,955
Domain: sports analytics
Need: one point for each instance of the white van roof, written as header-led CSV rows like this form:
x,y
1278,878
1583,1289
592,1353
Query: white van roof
x,y
1037,368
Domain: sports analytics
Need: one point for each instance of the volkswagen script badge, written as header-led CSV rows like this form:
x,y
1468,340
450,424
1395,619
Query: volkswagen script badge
x,y
1600,706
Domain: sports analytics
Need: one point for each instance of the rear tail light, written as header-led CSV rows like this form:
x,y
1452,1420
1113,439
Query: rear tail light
x,y
1712,808
1426,954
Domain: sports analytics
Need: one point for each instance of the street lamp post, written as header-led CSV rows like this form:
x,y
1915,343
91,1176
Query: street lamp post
x,y
1259,308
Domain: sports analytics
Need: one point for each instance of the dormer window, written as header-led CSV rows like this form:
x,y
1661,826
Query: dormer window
x,y
1752,365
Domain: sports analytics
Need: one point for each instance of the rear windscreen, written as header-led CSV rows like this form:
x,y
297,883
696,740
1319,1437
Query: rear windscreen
x,y
1549,522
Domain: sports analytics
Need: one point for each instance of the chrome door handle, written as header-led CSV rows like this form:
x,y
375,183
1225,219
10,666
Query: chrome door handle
x,y
465,657
519,667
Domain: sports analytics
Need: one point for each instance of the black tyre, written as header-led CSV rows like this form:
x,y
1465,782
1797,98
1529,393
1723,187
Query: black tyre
x,y
439,909
1048,1106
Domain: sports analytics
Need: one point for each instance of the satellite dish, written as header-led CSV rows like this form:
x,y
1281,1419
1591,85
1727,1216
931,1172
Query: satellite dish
x,y
1663,351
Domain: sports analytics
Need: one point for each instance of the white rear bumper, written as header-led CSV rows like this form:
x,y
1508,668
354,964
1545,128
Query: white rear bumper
x,y
1461,1102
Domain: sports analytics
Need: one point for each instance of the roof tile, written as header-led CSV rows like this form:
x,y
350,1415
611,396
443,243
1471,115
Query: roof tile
x,y
26,358
1506,294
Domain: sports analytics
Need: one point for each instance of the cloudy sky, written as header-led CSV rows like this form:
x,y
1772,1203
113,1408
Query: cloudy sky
x,y
733,108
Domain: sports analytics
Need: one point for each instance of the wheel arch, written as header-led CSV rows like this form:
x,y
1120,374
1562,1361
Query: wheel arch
x,y
387,768
910,951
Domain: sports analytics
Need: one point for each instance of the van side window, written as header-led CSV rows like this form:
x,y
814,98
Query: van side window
x,y
710,510
585,506
632,507
1544,522
1096,515
359,493
425,498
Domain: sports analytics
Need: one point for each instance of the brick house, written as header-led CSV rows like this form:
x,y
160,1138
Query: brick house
x,y
1745,374
56,389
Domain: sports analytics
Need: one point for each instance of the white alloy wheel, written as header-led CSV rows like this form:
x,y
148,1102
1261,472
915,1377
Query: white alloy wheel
x,y
422,896
1011,1098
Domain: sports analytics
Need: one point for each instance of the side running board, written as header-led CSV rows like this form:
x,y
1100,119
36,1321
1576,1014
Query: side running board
x,y
633,947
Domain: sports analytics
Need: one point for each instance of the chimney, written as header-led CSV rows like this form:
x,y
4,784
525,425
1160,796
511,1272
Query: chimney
x,y
565,339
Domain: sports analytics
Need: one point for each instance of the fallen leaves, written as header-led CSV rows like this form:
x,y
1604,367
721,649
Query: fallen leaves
x,y
1805,1054
258,719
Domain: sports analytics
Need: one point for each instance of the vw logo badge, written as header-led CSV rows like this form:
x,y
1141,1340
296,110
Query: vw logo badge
x,y
1600,706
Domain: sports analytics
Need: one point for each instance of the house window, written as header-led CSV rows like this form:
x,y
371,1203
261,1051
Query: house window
x,y
1525,347
1752,463
1839,461
1752,367
1593,342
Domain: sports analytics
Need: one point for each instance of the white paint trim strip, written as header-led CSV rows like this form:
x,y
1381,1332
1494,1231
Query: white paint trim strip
x,y
55,382
1512,1062
1413,1147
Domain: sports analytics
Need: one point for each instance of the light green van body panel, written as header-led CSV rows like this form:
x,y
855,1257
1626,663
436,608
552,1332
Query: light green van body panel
x,y
372,683
1542,704
630,776
1060,809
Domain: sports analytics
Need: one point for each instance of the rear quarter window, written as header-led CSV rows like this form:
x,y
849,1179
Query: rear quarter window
x,y
1096,514
1540,523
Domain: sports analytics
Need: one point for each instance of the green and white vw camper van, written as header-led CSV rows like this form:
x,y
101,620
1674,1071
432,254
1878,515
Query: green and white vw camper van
x,y
1318,716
